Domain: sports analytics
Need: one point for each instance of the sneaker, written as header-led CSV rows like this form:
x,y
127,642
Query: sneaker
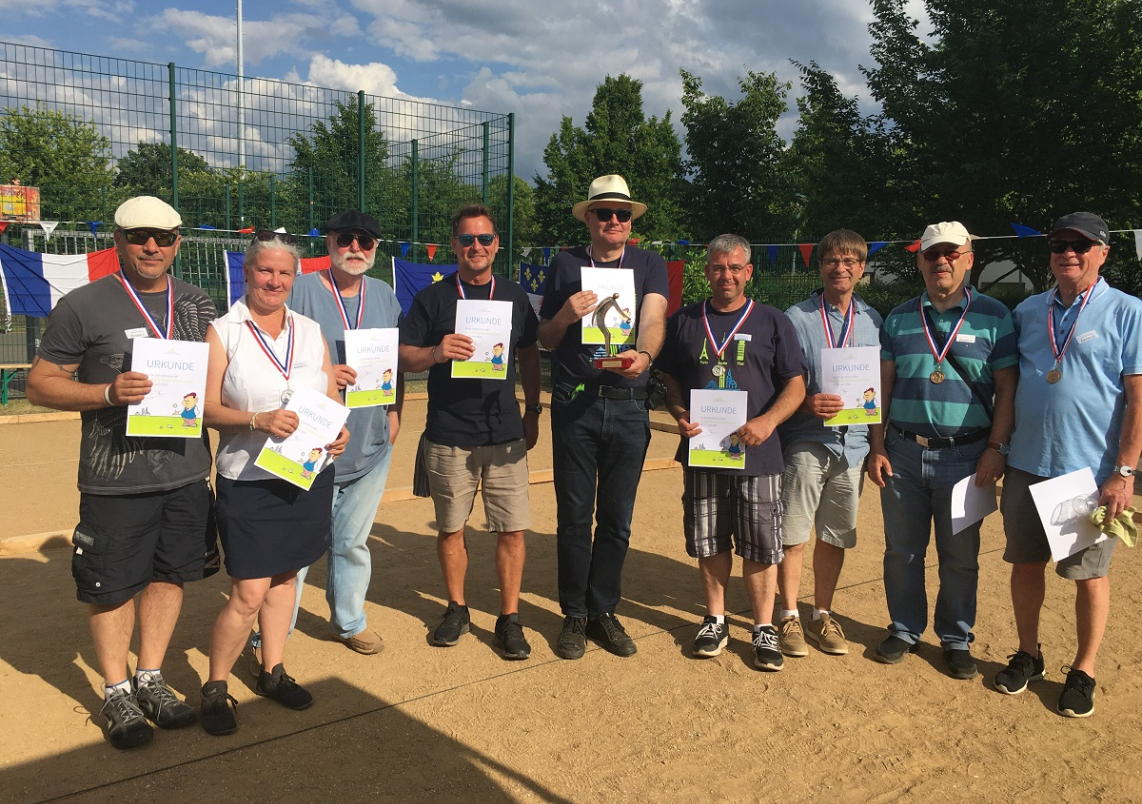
x,y
827,633
766,649
791,637
572,639
218,711
609,632
368,642
1077,699
509,637
893,650
123,722
712,637
1021,669
161,705
960,664
456,622
280,686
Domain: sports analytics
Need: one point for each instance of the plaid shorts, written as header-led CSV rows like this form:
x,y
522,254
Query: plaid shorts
x,y
724,511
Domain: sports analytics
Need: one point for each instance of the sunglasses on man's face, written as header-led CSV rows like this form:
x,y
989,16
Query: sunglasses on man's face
x,y
1078,246
139,237
466,240
345,239
265,235
951,255
604,214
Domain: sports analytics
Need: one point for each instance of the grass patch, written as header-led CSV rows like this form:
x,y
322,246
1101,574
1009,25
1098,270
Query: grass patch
x,y
19,407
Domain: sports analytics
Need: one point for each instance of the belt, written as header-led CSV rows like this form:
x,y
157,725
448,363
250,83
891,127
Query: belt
x,y
608,391
941,443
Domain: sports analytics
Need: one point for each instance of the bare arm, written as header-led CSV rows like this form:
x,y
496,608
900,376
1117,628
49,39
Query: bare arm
x,y
421,358
758,430
1117,492
53,385
395,410
677,408
530,375
552,330
879,467
991,464
219,416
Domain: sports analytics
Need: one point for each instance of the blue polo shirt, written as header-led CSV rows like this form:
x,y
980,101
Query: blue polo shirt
x,y
985,342
1076,422
851,441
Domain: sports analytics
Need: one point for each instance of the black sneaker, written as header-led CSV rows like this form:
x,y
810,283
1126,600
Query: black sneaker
x,y
1021,668
712,637
609,633
767,649
893,650
1077,699
280,686
960,664
510,638
161,705
456,622
218,711
572,639
123,722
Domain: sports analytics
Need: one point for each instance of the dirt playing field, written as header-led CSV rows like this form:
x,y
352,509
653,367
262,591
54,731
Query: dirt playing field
x,y
418,723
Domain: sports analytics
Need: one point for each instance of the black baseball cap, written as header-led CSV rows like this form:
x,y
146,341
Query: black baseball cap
x,y
352,220
1089,225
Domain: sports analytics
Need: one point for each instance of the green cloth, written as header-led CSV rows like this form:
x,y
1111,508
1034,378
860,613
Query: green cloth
x,y
1121,526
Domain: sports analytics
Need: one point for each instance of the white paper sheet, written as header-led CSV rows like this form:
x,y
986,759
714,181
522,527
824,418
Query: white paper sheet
x,y
719,413
1063,504
173,406
971,504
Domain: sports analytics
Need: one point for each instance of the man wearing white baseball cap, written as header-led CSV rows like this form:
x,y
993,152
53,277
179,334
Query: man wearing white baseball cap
x,y
146,510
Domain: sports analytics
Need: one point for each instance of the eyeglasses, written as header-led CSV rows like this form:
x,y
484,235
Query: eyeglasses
x,y
1078,246
604,214
345,239
848,262
265,235
139,237
466,240
934,254
732,270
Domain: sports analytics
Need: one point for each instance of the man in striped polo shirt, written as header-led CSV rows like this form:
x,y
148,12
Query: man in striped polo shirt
x,y
949,367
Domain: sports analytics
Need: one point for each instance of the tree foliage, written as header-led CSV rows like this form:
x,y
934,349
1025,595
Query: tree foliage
x,y
147,168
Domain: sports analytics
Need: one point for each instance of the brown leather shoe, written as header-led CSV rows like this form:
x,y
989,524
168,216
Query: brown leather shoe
x,y
367,642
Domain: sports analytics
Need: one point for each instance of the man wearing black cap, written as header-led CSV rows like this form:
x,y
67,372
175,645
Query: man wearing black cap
x,y
341,299
1078,405
600,428
146,511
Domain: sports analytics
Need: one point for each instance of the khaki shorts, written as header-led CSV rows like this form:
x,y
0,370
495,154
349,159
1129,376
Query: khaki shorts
x,y
819,488
455,473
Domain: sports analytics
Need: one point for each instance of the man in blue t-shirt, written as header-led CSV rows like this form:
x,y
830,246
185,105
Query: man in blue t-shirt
x,y
1079,406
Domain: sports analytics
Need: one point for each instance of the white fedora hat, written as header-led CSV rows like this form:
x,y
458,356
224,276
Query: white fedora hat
x,y
608,188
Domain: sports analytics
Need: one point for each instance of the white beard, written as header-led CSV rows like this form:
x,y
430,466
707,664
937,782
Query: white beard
x,y
352,266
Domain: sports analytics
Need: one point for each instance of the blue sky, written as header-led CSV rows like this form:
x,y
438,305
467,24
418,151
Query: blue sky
x,y
541,60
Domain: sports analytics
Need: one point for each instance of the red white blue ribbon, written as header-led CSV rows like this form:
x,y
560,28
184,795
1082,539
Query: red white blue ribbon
x,y
846,331
150,319
460,288
940,354
1060,351
286,366
341,308
718,350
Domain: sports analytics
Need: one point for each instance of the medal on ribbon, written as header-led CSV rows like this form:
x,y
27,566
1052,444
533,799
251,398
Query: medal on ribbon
x,y
938,376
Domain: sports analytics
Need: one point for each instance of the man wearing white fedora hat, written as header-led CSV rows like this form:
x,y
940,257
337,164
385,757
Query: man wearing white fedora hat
x,y
599,422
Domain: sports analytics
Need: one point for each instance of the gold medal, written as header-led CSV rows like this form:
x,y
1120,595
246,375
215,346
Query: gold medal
x,y
1054,375
936,377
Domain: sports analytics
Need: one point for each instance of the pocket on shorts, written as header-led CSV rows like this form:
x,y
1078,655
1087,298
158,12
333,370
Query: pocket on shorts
x,y
89,559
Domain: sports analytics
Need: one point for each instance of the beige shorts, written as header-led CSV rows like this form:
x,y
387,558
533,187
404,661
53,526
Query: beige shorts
x,y
819,488
455,473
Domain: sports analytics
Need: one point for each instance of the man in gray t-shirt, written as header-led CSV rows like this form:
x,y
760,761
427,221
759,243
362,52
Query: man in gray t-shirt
x,y
146,511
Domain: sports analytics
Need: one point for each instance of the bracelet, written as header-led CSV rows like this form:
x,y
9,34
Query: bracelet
x,y
107,395
649,359
254,422
434,356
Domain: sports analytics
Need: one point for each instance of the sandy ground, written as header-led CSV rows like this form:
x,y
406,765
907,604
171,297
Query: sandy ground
x,y
418,723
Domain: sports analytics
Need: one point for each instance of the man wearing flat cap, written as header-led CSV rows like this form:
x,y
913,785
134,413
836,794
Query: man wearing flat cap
x,y
146,510
600,427
1078,406
948,373
340,299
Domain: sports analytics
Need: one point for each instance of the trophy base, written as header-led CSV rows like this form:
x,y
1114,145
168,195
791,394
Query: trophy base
x,y
614,362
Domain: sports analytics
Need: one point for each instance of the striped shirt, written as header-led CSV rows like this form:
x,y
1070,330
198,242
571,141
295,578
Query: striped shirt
x,y
984,343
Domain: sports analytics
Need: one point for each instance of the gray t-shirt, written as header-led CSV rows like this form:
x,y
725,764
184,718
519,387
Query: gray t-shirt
x,y
94,326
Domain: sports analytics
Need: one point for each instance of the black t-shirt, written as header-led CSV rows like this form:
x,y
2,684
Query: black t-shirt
x,y
468,412
574,359
762,355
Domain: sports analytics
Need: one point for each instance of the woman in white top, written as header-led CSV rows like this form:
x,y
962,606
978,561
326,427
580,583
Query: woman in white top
x,y
260,352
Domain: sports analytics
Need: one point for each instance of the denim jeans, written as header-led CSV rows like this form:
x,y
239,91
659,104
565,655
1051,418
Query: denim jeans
x,y
598,448
918,493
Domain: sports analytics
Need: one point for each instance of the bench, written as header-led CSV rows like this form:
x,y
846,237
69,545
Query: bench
x,y
7,374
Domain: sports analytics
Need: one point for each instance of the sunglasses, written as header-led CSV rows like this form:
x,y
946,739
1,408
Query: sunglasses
x,y
1078,246
466,240
604,214
139,237
265,235
934,254
345,239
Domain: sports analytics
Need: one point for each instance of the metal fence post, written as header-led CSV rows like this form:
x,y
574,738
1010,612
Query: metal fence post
x,y
361,150
229,222
511,191
415,200
273,205
174,134
310,172
484,194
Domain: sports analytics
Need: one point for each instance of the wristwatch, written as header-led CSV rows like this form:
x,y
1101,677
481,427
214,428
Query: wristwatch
x,y
1002,449
536,409
1125,471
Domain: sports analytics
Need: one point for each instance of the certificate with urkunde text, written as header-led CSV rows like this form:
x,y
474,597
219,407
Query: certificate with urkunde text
x,y
173,406
720,414
300,456
853,374
489,325
372,353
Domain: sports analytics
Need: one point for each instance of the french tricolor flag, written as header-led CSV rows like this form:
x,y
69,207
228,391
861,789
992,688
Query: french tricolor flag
x,y
235,279
32,283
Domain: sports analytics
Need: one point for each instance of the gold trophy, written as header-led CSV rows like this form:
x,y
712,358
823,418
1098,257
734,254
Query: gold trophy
x,y
611,361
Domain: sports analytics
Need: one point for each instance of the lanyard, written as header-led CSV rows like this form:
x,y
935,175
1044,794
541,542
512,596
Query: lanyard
x,y
285,367
460,288
150,319
929,331
591,257
336,291
846,331
1060,351
719,350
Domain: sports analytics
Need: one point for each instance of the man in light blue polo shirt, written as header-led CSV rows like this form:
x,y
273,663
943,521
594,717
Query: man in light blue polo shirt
x,y
948,367
822,481
1079,404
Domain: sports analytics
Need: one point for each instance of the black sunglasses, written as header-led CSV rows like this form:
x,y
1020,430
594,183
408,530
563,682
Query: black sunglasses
x,y
466,240
265,235
139,237
604,214
345,239
1061,246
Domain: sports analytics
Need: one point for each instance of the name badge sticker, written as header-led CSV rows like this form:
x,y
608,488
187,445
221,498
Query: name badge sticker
x,y
963,337
1087,336
743,336
136,332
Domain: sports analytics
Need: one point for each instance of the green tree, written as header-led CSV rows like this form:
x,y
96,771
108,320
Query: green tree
x,y
616,138
147,168
525,227
67,158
